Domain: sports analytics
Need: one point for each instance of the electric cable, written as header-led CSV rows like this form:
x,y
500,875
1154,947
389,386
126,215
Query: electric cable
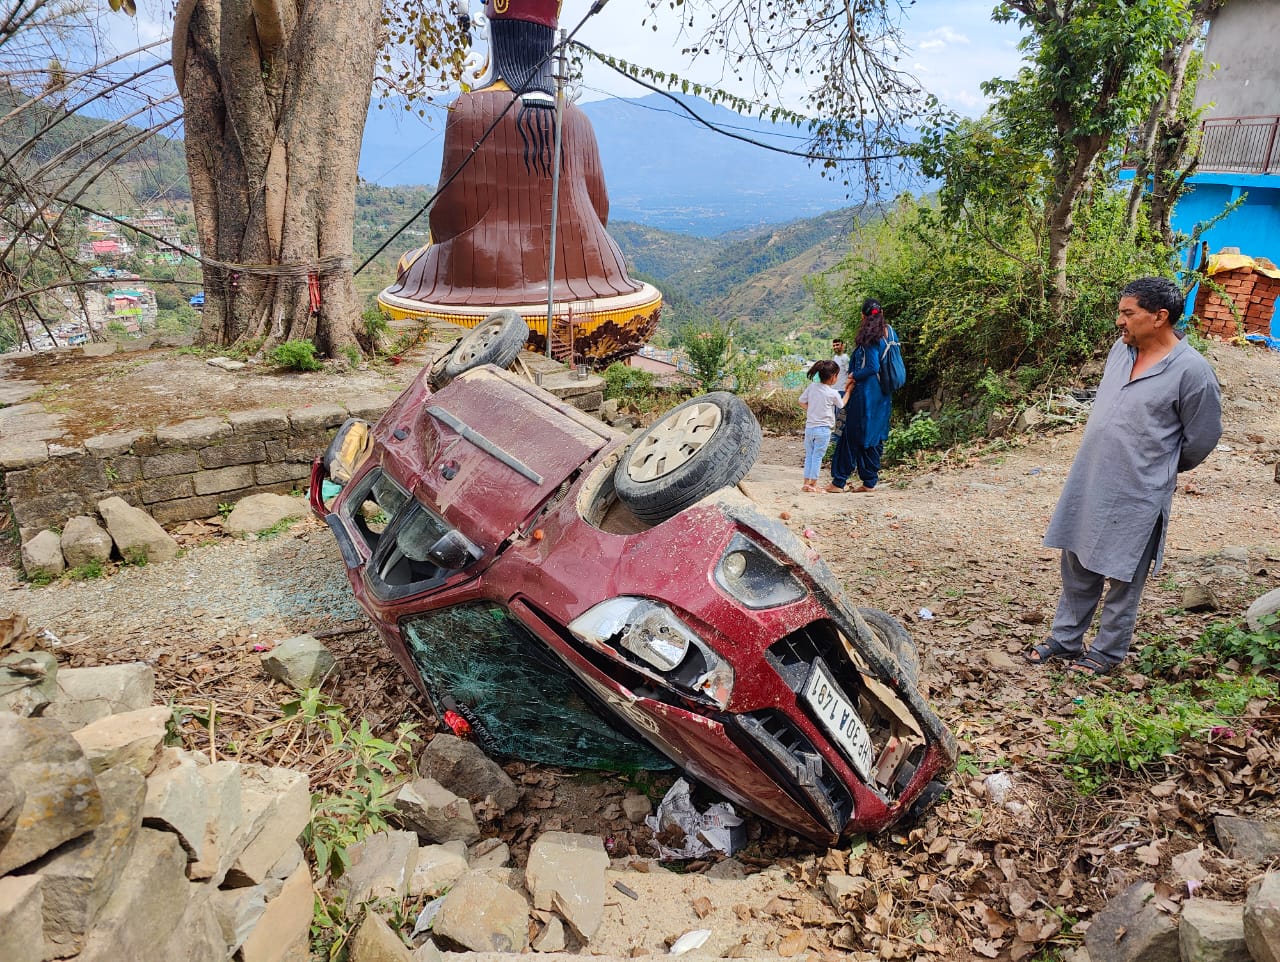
x,y
728,133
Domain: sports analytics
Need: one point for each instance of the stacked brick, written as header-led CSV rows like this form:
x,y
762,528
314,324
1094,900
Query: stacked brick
x,y
178,473
1254,296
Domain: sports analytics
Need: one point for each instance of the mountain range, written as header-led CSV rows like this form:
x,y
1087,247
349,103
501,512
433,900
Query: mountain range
x,y
662,167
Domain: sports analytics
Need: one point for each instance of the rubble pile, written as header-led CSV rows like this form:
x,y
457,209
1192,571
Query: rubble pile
x,y
114,847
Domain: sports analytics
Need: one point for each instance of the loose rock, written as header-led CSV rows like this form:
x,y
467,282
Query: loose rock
x,y
566,872
637,808
176,801
28,682
1210,931
1248,839
1130,928
375,942
1262,919
131,738
86,694
1198,597
435,813
79,877
61,799
84,541
302,662
146,905
1268,604
437,868
258,512
490,853
483,915
381,867
20,909
283,934
42,556
277,806
462,768
137,535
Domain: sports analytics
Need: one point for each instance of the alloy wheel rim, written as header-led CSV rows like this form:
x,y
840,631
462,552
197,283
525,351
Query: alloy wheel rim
x,y
674,442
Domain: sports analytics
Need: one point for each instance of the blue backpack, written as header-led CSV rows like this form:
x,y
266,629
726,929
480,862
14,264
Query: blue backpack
x,y
893,371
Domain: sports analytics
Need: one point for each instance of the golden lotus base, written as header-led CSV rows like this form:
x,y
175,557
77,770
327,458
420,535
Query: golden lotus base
x,y
605,329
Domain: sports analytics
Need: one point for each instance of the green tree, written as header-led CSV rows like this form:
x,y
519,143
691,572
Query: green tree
x,y
709,347
1094,73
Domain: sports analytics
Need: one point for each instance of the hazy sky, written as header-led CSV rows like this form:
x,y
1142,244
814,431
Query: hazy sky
x,y
954,45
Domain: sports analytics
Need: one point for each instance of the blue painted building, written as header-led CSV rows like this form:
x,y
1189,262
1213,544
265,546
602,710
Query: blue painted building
x,y
1240,142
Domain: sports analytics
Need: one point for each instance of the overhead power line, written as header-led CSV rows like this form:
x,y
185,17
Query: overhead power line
x,y
725,132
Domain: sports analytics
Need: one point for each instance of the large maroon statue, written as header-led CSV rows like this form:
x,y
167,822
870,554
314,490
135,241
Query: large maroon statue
x,y
491,225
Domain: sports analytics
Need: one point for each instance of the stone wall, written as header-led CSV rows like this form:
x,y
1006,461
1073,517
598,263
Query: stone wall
x,y
180,472
187,470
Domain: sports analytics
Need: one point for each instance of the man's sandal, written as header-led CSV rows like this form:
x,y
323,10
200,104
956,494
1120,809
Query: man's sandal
x,y
1092,665
1048,650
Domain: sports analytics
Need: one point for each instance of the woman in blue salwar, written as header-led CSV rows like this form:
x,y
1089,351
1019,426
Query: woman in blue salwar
x,y
867,415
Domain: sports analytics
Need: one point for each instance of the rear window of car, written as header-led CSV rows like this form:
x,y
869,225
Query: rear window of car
x,y
371,506
400,533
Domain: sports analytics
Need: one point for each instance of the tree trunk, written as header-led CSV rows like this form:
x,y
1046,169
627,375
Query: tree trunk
x,y
1070,180
276,93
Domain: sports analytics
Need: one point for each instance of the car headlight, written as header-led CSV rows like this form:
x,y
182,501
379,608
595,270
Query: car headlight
x,y
656,637
752,576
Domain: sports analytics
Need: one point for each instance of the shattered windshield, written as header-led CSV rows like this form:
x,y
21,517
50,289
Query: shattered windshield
x,y
519,698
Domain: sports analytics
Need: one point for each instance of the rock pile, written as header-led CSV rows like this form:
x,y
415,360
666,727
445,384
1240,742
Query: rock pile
x,y
134,536
114,847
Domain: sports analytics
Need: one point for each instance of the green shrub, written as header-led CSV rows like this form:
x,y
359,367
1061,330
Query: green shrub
x,y
629,384
709,347
87,571
965,303
1230,642
919,434
747,375
296,356
1118,731
376,323
776,411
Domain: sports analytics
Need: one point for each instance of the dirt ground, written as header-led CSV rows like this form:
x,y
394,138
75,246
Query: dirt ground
x,y
951,546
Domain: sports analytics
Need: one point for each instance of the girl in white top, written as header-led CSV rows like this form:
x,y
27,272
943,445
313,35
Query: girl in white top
x,y
820,400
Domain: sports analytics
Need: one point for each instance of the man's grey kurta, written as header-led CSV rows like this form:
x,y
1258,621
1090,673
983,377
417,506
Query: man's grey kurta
x,y
1140,434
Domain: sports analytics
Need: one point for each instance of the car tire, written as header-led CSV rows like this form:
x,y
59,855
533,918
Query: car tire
x,y
897,639
705,444
498,339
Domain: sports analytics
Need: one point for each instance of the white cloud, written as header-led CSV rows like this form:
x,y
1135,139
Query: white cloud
x,y
928,46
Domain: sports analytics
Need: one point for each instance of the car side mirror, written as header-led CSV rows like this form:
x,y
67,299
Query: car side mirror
x,y
454,550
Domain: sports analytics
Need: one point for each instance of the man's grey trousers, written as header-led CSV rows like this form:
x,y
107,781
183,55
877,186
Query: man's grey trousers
x,y
1082,590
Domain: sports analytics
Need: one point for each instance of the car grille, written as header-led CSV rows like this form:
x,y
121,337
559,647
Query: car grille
x,y
792,752
793,655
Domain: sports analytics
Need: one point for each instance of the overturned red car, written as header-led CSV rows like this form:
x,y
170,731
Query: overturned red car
x,y
586,598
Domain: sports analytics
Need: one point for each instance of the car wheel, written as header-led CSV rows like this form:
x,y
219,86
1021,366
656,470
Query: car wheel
x,y
498,339
897,639
705,444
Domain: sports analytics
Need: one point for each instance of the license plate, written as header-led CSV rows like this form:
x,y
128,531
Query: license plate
x,y
837,715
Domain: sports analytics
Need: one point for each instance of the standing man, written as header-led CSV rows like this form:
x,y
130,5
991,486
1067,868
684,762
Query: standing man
x,y
1158,412
841,357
